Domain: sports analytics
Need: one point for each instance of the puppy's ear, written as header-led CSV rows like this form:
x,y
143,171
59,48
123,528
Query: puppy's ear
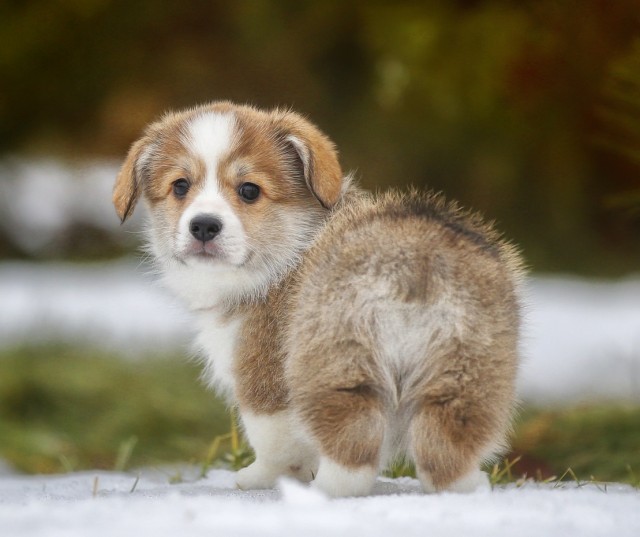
x,y
128,183
319,158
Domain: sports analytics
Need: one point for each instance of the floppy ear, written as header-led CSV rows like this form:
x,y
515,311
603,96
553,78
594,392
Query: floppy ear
x,y
127,188
319,157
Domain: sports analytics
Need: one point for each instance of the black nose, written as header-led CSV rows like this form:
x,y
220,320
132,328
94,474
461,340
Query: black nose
x,y
204,227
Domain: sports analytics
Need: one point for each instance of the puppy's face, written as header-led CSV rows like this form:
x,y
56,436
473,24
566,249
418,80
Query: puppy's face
x,y
231,190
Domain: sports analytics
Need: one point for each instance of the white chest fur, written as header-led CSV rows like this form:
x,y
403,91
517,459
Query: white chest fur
x,y
216,341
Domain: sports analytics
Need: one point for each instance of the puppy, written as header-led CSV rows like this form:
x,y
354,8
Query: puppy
x,y
348,329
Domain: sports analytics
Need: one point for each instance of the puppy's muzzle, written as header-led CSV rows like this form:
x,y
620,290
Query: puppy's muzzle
x,y
204,227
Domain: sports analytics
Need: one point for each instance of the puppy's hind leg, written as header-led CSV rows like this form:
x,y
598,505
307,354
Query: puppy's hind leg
x,y
461,415
279,452
349,426
341,406
442,461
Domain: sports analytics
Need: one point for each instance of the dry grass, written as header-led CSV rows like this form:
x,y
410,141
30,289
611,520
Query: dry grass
x,y
64,409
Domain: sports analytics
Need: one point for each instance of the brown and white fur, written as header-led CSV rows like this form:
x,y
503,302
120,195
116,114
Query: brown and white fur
x,y
348,329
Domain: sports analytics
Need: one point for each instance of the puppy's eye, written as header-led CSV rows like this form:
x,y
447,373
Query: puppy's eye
x,y
249,192
180,188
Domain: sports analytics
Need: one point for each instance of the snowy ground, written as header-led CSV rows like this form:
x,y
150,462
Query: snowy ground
x,y
114,306
40,199
101,504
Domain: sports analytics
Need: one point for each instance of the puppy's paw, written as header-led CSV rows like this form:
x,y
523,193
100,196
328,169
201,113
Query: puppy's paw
x,y
256,476
476,480
336,480
426,481
301,472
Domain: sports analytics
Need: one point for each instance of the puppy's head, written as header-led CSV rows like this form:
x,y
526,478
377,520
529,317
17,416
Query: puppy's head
x,y
231,189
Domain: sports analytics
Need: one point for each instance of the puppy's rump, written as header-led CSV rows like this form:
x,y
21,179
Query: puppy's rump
x,y
403,336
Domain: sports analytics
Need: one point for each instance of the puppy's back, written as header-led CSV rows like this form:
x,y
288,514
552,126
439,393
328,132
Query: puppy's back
x,y
410,258
406,310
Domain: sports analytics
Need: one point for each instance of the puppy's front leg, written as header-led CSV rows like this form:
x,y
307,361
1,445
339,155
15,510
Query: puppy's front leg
x,y
278,452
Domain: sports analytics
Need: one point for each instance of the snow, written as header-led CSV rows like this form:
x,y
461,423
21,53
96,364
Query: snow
x,y
99,503
115,306
40,199
582,341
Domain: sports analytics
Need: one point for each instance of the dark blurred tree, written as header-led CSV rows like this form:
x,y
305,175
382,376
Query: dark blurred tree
x,y
92,73
620,132
498,103
495,104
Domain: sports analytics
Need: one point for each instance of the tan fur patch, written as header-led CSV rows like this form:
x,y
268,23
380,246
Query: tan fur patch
x,y
259,366
337,395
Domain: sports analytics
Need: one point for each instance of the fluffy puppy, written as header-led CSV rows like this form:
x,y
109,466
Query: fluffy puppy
x,y
348,329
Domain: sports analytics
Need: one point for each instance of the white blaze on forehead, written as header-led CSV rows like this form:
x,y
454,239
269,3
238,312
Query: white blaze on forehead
x,y
210,138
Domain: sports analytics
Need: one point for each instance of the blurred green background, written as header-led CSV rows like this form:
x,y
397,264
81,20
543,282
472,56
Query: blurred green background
x,y
525,110
528,111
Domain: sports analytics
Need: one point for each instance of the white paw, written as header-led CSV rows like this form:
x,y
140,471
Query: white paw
x,y
475,480
301,472
336,480
256,476
426,482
